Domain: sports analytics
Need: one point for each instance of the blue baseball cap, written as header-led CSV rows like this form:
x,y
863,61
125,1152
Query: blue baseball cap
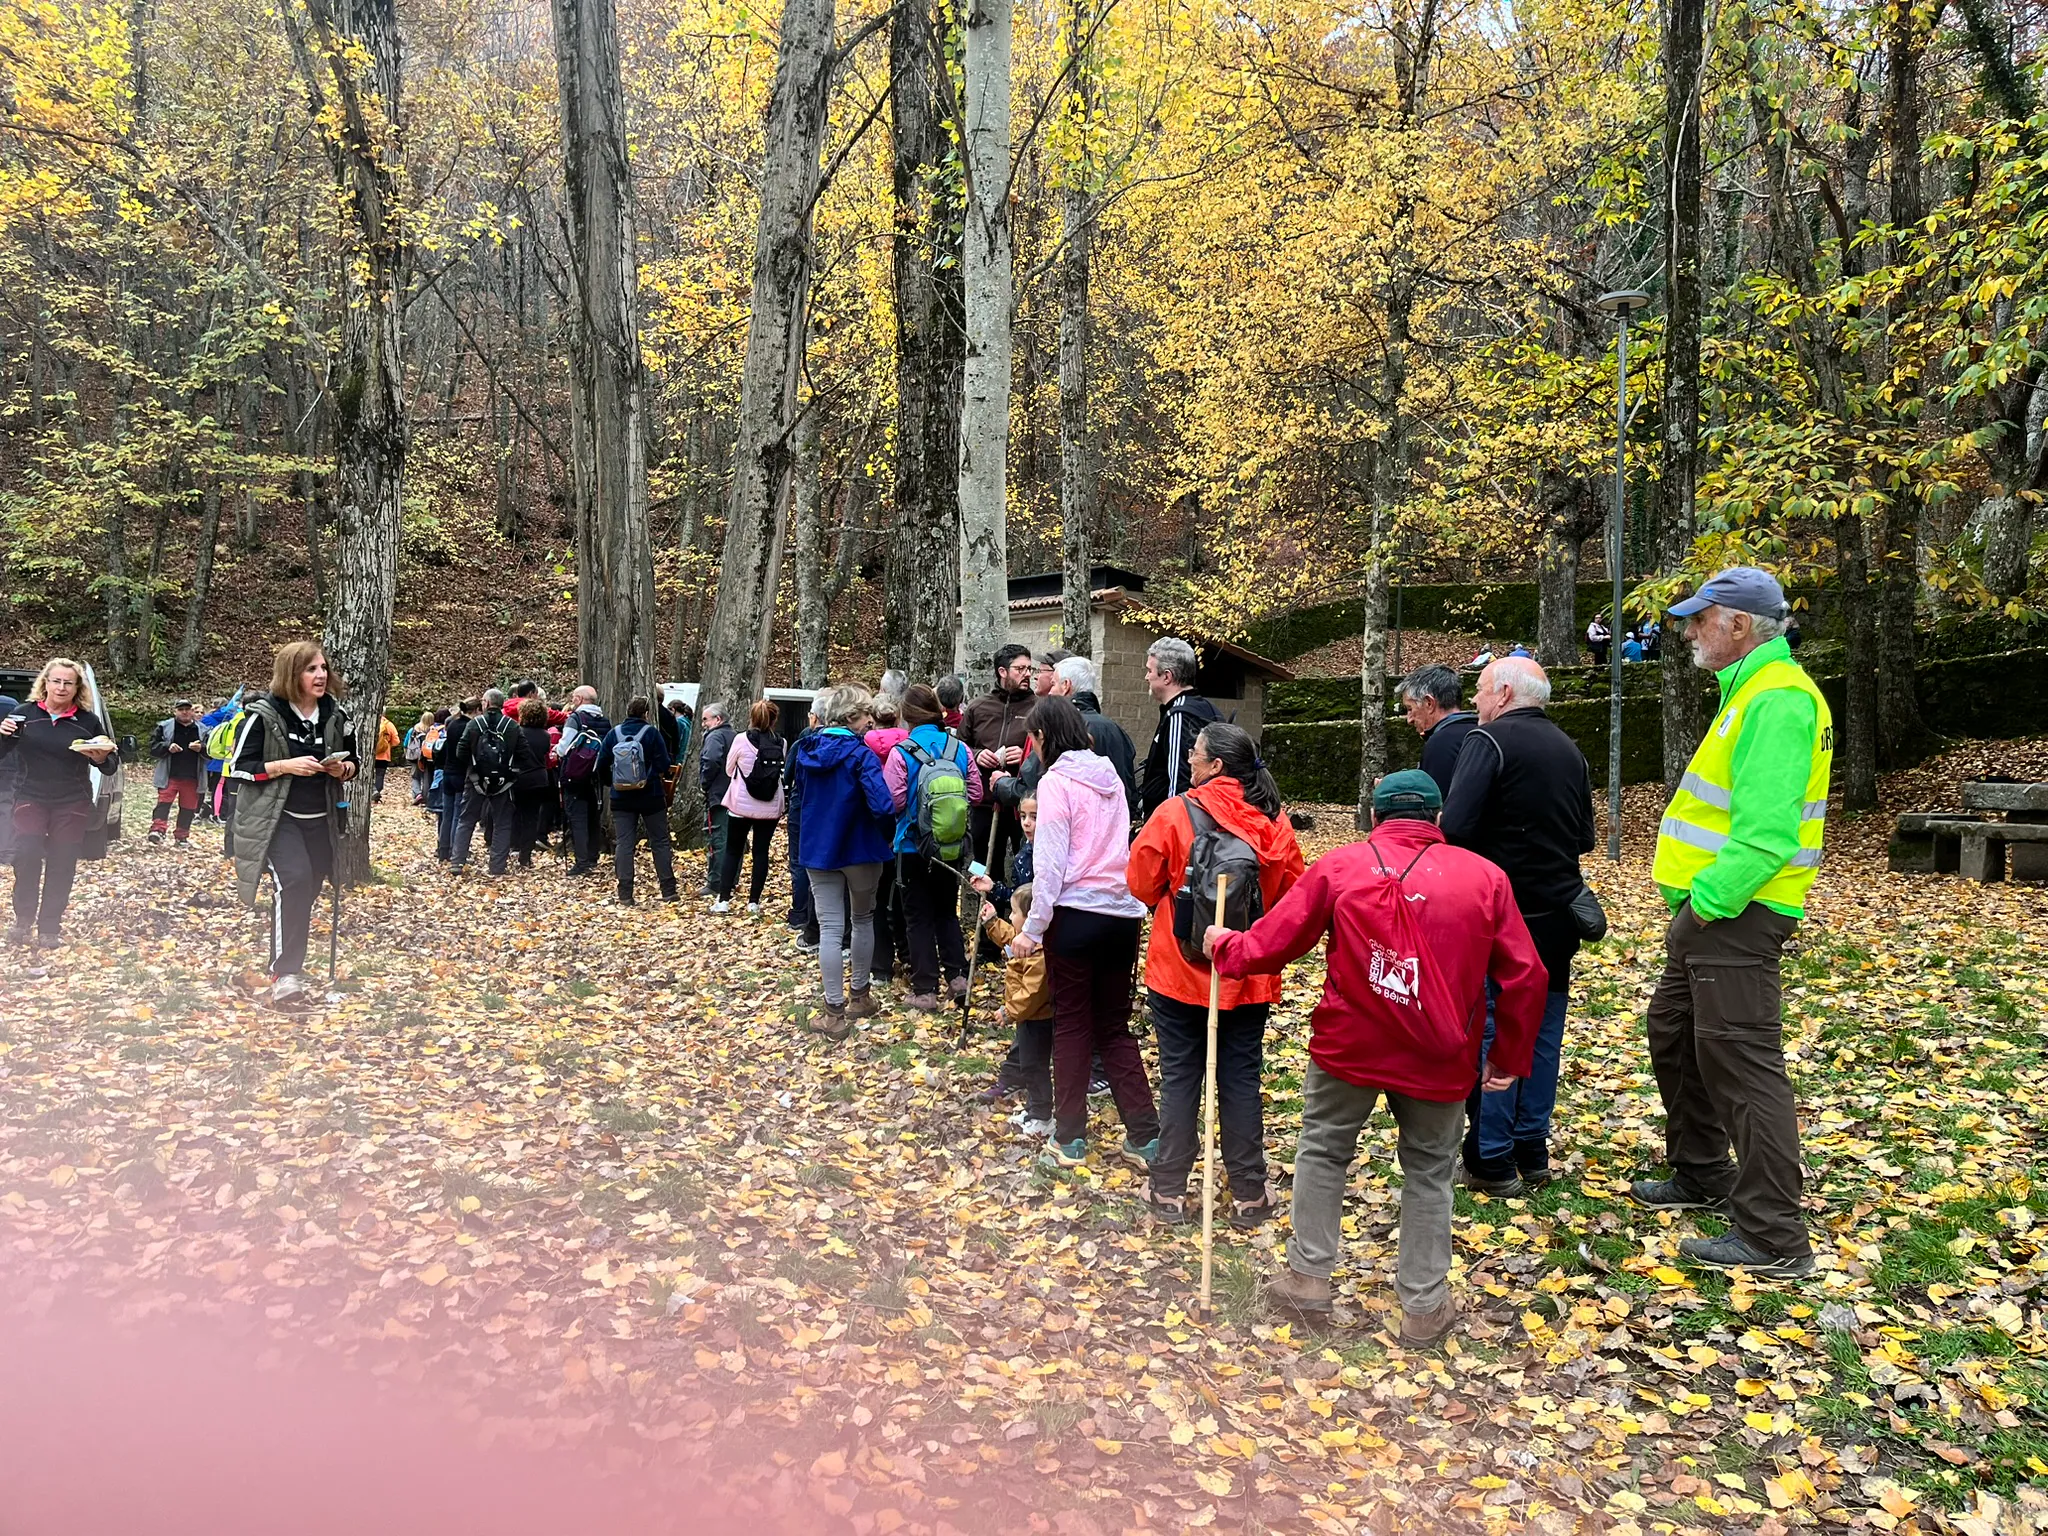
x,y
1744,588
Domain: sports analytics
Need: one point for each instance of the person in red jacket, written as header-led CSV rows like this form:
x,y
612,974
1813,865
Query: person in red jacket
x,y
1233,787
1416,929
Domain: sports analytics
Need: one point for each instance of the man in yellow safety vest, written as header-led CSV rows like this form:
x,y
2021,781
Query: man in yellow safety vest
x,y
1736,855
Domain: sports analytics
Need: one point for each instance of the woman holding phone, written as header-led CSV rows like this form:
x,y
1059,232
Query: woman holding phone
x,y
296,754
58,739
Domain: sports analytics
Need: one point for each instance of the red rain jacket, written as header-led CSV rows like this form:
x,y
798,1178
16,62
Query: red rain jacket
x,y
1404,1003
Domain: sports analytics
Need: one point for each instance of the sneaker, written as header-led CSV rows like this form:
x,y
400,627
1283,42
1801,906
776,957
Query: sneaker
x,y
721,905
1303,1296
1422,1330
861,1004
1098,1086
288,988
923,1002
753,909
1068,1154
671,895
1731,1250
1670,1195
996,1092
1171,1208
156,834
806,946
1140,1154
623,899
1030,1129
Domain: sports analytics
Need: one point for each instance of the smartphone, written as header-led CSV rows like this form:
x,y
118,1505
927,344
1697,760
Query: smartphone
x,y
332,758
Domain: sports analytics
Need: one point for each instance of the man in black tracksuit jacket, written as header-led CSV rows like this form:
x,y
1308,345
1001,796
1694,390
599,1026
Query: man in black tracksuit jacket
x,y
1522,798
1170,674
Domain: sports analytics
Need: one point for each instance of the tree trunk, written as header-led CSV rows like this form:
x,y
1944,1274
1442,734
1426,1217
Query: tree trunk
x,y
1903,737
298,440
189,648
1079,487
146,647
742,620
922,579
1856,755
115,588
1569,509
990,284
615,551
248,527
807,535
350,67
1683,700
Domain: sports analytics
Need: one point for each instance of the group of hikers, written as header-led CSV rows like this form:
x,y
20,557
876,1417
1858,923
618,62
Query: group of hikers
x,y
921,825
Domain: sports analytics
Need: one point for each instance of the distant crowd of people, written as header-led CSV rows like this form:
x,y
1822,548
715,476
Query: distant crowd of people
x,y
921,825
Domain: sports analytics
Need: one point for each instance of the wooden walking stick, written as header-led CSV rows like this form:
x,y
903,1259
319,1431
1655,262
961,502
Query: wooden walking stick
x,y
974,943
1209,1114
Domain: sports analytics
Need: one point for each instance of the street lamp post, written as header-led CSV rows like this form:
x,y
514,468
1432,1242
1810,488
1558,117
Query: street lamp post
x,y
1621,304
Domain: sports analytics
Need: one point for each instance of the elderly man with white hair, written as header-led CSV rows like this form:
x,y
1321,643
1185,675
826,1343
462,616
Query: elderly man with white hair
x,y
1074,677
1737,852
1522,798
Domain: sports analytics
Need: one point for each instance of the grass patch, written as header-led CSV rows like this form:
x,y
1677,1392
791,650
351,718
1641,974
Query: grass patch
x,y
617,1115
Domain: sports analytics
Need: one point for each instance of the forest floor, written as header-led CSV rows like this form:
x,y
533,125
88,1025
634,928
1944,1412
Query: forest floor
x,y
563,1184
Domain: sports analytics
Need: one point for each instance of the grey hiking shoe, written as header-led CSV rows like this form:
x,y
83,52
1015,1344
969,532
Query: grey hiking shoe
x,y
1731,1250
1670,1195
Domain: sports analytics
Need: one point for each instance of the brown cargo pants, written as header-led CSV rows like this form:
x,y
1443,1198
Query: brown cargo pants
x,y
1717,1046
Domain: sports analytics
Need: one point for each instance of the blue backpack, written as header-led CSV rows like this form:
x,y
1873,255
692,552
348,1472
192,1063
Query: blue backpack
x,y
629,761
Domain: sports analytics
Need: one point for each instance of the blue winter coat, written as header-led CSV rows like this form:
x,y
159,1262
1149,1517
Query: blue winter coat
x,y
848,810
931,739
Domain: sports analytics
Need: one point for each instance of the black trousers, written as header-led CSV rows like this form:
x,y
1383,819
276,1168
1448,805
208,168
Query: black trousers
x,y
1183,1033
301,857
495,813
530,820
586,833
739,832
1009,834
631,825
43,876
931,920
227,817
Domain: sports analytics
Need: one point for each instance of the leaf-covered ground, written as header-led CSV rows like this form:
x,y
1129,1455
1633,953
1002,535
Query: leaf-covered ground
x,y
572,1169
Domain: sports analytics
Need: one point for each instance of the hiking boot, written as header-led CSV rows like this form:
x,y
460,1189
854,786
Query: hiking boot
x,y
1139,1154
1172,1208
1303,1296
957,985
48,941
861,1004
1731,1250
923,1002
1501,1189
1670,1195
671,896
18,933
1421,1330
1532,1161
1247,1215
829,1021
805,946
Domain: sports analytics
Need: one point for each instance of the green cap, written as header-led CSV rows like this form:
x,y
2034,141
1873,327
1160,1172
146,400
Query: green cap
x,y
1405,792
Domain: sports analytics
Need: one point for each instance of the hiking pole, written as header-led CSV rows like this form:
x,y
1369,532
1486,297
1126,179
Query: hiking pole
x,y
1209,1114
974,945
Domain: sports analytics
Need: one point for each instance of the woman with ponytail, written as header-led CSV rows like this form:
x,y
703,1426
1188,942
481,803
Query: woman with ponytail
x,y
1234,790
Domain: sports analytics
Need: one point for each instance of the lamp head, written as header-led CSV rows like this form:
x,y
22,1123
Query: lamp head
x,y
1623,301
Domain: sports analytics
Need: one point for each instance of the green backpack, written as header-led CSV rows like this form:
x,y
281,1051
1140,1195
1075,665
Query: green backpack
x,y
939,796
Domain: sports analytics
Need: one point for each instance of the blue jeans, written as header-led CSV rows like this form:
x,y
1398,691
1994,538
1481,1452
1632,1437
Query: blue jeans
x,y
1510,1130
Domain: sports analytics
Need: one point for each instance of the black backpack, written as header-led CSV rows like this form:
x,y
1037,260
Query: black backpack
x,y
487,766
765,777
1214,852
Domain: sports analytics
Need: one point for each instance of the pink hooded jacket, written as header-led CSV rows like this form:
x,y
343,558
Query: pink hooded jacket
x,y
1082,852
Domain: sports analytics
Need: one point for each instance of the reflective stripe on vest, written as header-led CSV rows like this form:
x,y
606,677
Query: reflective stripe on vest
x,y
1696,823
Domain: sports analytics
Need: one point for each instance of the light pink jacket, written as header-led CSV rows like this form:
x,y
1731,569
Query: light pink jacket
x,y
1082,852
739,758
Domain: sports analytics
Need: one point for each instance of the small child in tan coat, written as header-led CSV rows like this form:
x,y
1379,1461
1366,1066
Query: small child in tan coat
x,y
1027,1007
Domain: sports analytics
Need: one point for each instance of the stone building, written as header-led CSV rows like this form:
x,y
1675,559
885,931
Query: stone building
x,y
1231,678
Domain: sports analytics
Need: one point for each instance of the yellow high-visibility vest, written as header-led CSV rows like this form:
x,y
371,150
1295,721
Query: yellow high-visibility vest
x,y
1696,823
